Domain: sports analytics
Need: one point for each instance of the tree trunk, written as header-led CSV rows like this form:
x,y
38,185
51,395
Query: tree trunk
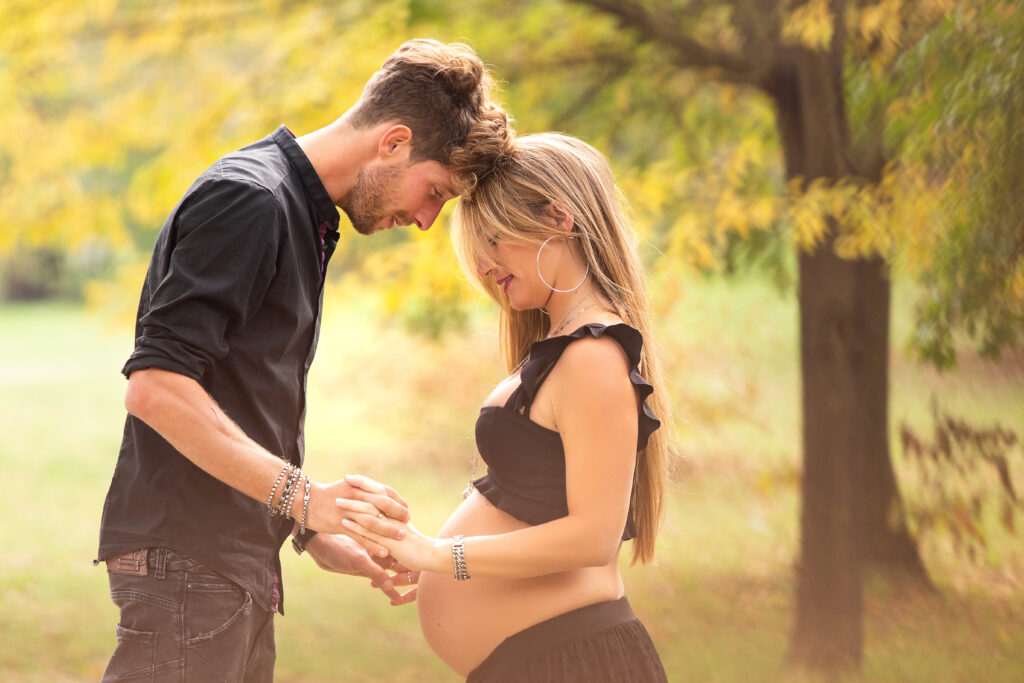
x,y
834,354
839,379
888,547
852,515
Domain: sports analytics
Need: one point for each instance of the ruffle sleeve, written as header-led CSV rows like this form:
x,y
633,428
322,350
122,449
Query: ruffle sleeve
x,y
545,353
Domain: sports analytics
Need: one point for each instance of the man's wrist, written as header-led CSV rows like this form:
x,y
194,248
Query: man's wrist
x,y
301,539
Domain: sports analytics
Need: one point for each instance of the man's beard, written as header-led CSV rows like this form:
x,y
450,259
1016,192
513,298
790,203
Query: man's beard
x,y
365,204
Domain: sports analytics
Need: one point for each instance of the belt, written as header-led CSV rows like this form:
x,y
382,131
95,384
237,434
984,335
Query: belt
x,y
138,562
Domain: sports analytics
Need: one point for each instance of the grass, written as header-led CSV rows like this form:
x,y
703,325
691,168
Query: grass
x,y
718,602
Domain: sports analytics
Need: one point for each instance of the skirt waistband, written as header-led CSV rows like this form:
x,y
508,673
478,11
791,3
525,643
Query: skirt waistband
x,y
561,629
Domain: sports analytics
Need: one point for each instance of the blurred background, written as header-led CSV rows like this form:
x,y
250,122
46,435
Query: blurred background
x,y
883,136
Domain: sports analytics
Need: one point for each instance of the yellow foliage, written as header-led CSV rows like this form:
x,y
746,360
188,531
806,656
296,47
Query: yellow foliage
x,y
880,25
764,211
1017,287
729,215
117,299
810,25
688,244
808,213
112,109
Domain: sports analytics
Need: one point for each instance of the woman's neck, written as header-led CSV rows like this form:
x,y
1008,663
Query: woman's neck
x,y
566,308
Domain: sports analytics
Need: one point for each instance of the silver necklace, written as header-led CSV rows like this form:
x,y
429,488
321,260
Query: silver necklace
x,y
563,325
466,492
563,322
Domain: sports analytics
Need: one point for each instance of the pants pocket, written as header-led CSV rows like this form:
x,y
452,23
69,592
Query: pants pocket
x,y
148,641
219,621
212,606
134,657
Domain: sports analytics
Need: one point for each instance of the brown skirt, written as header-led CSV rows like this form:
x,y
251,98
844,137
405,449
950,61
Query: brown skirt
x,y
599,643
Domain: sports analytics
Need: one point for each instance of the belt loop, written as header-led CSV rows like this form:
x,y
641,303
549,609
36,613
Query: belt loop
x,y
160,570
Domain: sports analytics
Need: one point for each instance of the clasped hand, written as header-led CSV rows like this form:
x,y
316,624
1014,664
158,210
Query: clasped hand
x,y
375,528
332,551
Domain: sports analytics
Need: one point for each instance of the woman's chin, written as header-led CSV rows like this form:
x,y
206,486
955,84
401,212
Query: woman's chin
x,y
520,306
518,302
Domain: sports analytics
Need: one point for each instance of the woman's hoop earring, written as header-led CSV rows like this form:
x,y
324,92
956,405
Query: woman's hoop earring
x,y
561,291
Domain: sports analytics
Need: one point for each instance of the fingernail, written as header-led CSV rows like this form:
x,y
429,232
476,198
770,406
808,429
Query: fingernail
x,y
382,553
345,522
387,585
400,535
339,501
349,477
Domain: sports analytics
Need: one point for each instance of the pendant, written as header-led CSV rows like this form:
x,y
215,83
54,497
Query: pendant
x,y
468,491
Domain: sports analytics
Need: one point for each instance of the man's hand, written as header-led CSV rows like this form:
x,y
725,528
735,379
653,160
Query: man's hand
x,y
324,515
342,555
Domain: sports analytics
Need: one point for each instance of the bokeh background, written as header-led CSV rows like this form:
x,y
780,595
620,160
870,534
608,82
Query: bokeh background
x,y
110,108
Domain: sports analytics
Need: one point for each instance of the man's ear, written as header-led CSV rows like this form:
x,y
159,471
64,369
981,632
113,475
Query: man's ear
x,y
563,218
395,142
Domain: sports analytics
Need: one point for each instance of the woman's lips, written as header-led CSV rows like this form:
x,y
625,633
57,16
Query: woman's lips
x,y
504,283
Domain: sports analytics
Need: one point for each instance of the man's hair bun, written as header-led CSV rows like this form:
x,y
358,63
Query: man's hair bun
x,y
463,76
444,94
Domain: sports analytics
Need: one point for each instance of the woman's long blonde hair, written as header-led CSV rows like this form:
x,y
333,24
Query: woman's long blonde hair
x,y
511,204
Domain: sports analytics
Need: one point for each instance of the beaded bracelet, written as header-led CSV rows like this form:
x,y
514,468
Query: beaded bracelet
x,y
305,507
288,484
282,505
291,495
270,498
284,492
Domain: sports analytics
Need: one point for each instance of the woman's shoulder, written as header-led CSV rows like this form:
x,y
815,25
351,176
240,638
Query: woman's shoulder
x,y
599,337
604,361
596,353
604,349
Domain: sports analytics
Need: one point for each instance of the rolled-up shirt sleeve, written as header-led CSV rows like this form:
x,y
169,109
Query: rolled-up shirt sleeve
x,y
210,276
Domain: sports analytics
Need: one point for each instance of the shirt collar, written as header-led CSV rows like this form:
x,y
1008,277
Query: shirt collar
x,y
322,204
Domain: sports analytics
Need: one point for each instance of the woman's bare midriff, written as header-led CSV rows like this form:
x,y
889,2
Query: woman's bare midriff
x,y
464,621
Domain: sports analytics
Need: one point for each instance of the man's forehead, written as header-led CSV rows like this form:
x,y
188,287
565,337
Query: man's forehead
x,y
446,178
441,175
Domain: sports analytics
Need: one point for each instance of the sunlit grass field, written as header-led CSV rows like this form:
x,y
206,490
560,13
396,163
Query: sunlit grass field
x,y
389,404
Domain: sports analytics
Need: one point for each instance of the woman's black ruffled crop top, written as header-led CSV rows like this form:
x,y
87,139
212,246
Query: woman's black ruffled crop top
x,y
525,461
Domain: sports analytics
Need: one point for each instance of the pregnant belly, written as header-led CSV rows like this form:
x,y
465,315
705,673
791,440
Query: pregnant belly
x,y
464,621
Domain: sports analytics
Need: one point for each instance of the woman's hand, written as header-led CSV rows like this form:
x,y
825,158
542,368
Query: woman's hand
x,y
324,515
408,545
403,576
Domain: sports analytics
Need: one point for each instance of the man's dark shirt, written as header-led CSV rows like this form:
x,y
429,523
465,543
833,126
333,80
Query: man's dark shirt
x,y
232,299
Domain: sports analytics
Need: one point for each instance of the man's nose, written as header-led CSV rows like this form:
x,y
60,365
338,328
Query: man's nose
x,y
426,216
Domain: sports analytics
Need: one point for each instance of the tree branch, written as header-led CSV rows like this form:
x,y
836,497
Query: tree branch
x,y
760,25
515,66
561,120
662,29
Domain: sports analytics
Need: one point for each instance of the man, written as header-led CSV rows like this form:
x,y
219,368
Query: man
x,y
207,485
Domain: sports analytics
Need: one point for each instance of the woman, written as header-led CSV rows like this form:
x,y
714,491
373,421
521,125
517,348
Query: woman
x,y
576,462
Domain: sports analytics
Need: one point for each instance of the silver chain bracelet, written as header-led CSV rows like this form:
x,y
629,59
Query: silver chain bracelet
x,y
459,558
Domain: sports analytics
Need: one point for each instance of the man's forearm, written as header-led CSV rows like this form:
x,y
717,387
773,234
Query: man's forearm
x,y
184,414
